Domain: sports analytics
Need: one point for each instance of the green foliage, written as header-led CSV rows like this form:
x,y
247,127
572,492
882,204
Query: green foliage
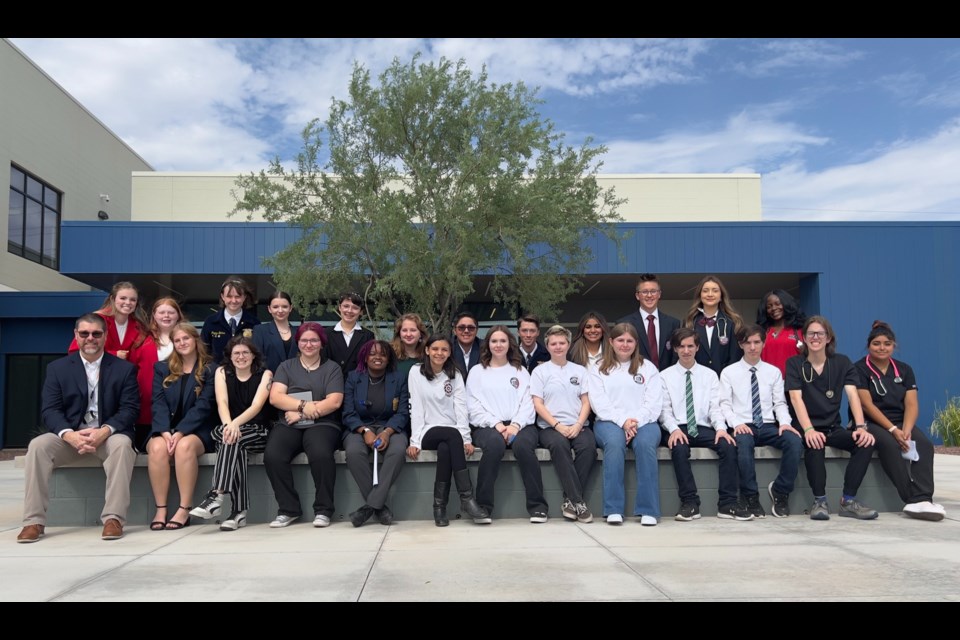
x,y
434,175
946,422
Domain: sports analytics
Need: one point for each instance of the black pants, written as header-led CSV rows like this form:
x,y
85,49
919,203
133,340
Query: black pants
x,y
913,480
524,450
686,485
448,443
572,459
283,445
840,438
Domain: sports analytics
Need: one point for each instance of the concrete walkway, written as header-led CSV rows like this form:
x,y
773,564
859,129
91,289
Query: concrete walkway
x,y
893,558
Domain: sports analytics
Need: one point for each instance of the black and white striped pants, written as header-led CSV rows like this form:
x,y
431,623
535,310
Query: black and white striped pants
x,y
230,471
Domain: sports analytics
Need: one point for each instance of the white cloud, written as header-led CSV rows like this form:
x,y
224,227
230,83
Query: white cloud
x,y
911,179
580,67
750,141
776,56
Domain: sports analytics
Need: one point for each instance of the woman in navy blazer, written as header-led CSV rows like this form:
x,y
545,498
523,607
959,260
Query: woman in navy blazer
x,y
717,323
184,410
236,298
274,339
376,415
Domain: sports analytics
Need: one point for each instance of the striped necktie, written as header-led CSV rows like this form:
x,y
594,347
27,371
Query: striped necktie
x,y
691,413
755,398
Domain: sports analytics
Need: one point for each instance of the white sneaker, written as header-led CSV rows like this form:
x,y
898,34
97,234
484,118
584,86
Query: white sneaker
x,y
234,521
321,521
614,518
283,521
925,511
209,507
648,521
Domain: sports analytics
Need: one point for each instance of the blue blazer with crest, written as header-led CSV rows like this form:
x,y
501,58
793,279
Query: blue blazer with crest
x,y
356,412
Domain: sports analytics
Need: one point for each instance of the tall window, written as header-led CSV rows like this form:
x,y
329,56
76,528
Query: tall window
x,y
34,224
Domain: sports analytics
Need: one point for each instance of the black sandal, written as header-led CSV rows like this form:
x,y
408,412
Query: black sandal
x,y
159,525
173,525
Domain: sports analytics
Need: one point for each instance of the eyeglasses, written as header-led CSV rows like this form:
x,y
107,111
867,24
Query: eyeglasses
x,y
309,341
87,334
466,328
816,334
649,292
241,354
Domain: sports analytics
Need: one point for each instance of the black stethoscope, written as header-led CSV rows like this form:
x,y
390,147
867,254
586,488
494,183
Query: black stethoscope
x,y
877,382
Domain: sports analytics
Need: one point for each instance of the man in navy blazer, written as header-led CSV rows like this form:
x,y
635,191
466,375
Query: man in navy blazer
x,y
648,295
466,347
89,405
532,352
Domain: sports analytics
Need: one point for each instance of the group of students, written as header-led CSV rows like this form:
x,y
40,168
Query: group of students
x,y
240,386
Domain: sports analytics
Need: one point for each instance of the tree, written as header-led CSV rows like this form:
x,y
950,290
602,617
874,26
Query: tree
x,y
434,175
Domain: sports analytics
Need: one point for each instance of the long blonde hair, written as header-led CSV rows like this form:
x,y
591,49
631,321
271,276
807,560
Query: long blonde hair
x,y
175,361
724,306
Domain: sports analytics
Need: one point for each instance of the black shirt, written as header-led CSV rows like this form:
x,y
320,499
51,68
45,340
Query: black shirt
x,y
887,395
822,393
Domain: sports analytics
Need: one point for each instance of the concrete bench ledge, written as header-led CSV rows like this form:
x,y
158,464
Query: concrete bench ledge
x,y
663,453
76,492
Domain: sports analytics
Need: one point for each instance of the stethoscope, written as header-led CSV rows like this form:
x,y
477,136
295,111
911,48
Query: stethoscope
x,y
716,322
877,382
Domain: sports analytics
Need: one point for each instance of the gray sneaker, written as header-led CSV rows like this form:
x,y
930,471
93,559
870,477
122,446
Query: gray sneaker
x,y
820,510
568,509
853,509
283,521
583,513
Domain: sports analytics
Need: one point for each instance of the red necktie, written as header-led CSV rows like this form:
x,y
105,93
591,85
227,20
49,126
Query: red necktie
x,y
652,342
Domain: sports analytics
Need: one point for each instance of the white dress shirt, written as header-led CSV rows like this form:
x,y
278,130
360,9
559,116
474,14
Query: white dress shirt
x,y
736,395
706,397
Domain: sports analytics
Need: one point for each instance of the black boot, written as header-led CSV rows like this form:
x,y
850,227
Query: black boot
x,y
468,504
441,493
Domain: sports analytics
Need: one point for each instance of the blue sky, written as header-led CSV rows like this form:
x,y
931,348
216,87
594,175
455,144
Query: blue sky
x,y
840,129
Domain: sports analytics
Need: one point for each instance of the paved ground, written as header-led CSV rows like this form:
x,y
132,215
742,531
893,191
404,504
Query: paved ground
x,y
893,558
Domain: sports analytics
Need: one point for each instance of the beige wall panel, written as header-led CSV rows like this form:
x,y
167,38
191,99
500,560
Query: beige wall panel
x,y
687,197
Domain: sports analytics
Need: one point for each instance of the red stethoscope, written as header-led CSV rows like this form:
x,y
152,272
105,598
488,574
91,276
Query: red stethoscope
x,y
878,383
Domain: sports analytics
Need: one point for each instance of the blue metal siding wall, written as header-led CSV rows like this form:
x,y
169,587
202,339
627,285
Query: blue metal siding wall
x,y
153,247
905,274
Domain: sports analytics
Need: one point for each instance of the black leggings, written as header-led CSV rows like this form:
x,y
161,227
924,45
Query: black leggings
x,y
448,443
856,468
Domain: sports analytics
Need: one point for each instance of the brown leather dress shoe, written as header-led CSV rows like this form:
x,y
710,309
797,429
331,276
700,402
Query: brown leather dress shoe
x,y
30,533
112,530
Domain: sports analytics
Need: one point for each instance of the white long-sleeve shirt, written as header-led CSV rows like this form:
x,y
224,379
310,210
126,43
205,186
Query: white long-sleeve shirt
x,y
440,402
499,394
619,396
736,396
706,397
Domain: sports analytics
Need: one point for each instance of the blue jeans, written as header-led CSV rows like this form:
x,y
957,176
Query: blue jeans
x,y
768,435
613,441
